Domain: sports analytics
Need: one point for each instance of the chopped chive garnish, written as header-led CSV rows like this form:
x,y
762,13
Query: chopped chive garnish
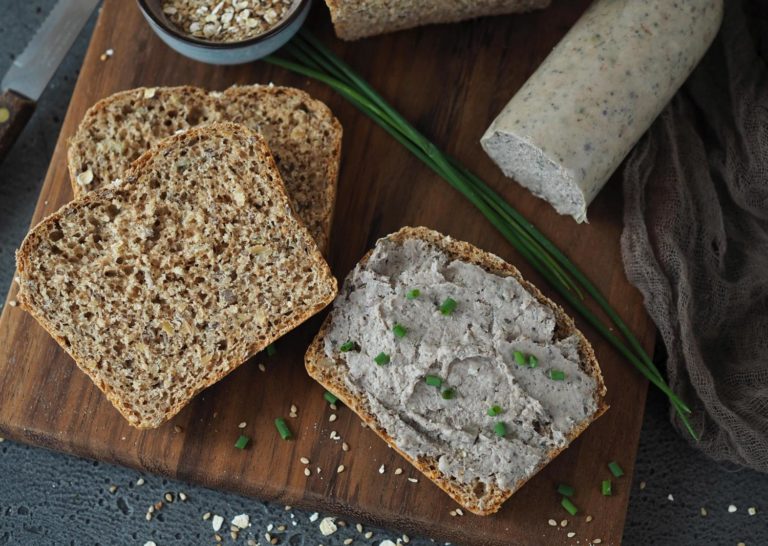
x,y
381,359
242,442
349,346
282,428
519,358
330,397
448,306
433,381
271,349
615,469
399,330
532,361
565,490
500,429
607,488
557,375
493,411
569,506
449,393
413,294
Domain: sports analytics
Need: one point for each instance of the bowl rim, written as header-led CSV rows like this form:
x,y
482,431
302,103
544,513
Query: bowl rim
x,y
300,6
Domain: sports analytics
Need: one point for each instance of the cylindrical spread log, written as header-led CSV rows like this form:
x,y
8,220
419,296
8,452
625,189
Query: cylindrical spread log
x,y
577,117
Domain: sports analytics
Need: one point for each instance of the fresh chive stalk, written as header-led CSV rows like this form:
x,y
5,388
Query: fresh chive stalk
x,y
348,346
569,506
330,397
606,488
271,349
381,359
449,393
282,429
242,441
565,490
532,361
399,330
413,294
615,469
313,59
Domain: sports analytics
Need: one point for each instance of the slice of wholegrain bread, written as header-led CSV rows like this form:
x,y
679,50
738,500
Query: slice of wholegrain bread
x,y
303,134
162,286
438,434
353,19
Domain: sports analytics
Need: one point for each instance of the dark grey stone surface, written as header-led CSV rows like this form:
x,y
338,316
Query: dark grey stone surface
x,y
48,498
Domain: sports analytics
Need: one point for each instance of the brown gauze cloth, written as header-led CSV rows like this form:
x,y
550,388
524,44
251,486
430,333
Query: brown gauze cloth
x,y
695,239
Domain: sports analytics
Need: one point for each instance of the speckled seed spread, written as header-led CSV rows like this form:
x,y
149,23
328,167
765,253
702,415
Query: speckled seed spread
x,y
226,20
573,122
451,387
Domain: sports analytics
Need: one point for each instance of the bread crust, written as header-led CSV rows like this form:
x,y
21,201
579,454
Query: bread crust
x,y
324,208
232,361
354,19
331,374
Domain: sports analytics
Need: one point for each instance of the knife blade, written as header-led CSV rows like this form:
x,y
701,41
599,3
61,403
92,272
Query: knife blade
x,y
31,71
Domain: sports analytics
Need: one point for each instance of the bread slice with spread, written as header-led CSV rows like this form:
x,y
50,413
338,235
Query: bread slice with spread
x,y
459,364
302,133
160,287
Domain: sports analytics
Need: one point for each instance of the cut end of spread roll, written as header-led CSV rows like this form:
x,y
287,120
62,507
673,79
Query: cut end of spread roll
x,y
530,166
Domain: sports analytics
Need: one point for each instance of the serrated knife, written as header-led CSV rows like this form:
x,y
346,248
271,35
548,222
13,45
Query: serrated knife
x,y
25,81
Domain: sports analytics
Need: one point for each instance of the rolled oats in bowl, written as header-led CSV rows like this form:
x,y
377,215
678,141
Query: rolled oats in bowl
x,y
226,20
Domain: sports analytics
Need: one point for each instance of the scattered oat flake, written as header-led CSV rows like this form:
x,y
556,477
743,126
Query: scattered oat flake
x,y
452,513
413,480
217,537
169,497
149,543
287,507
177,429
731,509
571,534
327,526
398,471
642,485
340,469
597,541
149,92
242,521
12,303
314,517
703,511
741,544
368,535
217,522
183,497
751,510
406,539
564,523
206,516
670,497
307,472
347,541
242,425
112,489
382,469
304,460
345,446
588,519
552,523
459,511
359,527
140,482
262,367
332,417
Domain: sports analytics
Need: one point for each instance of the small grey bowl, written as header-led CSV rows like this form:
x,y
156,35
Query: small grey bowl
x,y
225,52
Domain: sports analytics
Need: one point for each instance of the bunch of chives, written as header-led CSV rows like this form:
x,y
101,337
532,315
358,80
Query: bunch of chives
x,y
309,57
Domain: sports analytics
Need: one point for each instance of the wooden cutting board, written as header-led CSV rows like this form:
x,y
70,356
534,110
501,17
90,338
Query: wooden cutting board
x,y
450,81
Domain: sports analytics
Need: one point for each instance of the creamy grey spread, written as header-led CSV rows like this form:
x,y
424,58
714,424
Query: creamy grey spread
x,y
471,350
569,127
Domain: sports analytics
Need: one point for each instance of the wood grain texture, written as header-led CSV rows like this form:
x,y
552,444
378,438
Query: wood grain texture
x,y
15,112
450,81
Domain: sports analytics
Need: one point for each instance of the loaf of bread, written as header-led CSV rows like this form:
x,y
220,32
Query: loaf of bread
x,y
459,364
160,287
353,19
303,134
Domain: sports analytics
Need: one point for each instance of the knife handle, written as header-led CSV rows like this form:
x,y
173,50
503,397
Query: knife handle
x,y
15,111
